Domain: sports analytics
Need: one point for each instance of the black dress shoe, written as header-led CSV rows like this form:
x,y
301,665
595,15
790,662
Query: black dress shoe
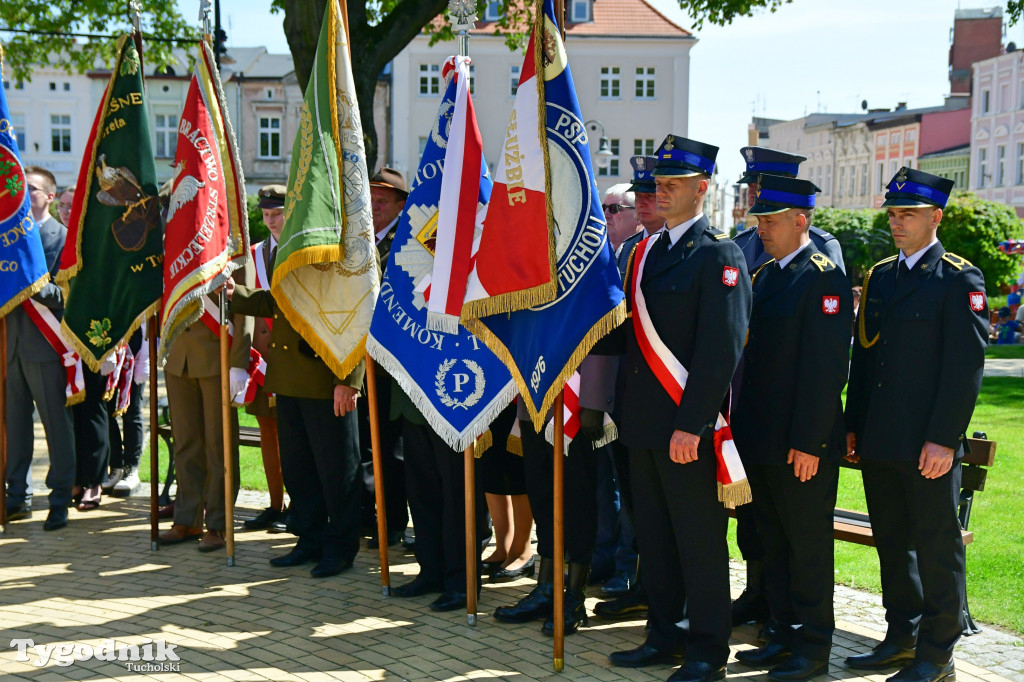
x,y
925,671
419,586
394,537
540,603
643,656
798,668
296,557
263,520
56,519
765,656
506,574
698,671
329,566
17,512
885,655
449,601
633,604
281,524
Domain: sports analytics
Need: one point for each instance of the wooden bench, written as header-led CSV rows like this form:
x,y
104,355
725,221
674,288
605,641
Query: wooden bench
x,y
855,526
248,436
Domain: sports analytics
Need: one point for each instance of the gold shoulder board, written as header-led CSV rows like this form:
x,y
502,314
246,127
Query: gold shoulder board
x,y
822,261
956,261
721,236
759,269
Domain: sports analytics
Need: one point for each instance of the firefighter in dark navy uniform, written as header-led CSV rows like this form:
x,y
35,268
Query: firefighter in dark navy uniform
x,y
788,426
918,359
697,294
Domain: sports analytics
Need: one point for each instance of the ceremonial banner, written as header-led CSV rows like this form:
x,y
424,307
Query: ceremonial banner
x,y
22,261
514,257
111,267
207,232
454,380
543,345
325,279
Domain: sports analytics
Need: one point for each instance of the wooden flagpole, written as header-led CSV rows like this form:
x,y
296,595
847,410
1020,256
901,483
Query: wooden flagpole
x,y
558,476
3,425
154,464
378,476
472,545
225,417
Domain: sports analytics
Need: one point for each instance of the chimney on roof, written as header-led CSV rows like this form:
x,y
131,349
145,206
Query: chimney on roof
x,y
900,106
977,34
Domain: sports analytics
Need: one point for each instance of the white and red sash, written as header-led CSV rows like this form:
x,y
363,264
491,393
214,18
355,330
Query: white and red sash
x,y
257,369
733,488
119,381
262,276
48,325
571,418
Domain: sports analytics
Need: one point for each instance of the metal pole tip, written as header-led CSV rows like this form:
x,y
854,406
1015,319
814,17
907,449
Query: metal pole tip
x,y
231,561
471,619
559,665
154,545
385,590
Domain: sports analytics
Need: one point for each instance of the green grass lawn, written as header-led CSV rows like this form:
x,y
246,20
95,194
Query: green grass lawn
x,y
995,560
1008,351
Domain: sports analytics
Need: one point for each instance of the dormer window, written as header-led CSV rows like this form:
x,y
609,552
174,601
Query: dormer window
x,y
580,11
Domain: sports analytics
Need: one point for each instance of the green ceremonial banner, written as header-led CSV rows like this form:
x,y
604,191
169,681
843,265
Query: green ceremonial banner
x,y
326,277
111,269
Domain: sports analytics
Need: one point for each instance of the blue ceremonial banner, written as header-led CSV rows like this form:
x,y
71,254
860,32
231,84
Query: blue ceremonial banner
x,y
545,344
22,262
453,379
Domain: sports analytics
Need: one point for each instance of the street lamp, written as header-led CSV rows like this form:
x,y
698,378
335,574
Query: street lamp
x,y
604,150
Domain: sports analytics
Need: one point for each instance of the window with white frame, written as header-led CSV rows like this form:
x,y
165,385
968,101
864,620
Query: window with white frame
x,y
60,133
492,12
1004,97
270,137
842,181
644,147
18,121
828,179
612,169
853,180
430,80
1000,165
881,176
580,11
643,84
982,166
165,126
985,101
422,148
864,180
1020,163
610,82
513,80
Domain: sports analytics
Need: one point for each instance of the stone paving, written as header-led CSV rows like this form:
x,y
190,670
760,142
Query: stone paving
x,y
98,579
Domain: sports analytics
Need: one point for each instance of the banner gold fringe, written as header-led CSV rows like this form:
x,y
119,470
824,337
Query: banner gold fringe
x,y
86,353
735,494
25,294
483,442
514,444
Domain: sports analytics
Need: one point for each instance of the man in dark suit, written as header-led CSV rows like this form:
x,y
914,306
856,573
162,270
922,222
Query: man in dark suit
x,y
36,374
918,359
788,426
752,605
694,290
388,193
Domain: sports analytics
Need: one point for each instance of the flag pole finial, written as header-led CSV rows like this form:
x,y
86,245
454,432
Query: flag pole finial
x,y
462,14
135,16
204,16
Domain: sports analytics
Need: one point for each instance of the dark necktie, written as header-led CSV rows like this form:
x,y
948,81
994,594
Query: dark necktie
x,y
273,259
658,251
902,275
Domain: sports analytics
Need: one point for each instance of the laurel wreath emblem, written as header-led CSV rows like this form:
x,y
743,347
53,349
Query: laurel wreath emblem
x,y
473,398
305,156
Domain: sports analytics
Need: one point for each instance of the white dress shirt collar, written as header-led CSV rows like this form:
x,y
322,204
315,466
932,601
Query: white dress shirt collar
x,y
786,260
918,255
675,233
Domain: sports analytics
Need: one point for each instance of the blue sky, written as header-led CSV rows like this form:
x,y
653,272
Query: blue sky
x,y
810,55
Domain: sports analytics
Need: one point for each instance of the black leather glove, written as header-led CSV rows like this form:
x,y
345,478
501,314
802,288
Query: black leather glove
x,y
591,424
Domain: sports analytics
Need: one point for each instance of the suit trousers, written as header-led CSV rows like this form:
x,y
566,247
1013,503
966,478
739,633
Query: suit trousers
x,y
580,494
681,529
92,432
921,554
392,461
436,488
42,383
320,466
126,439
196,426
794,520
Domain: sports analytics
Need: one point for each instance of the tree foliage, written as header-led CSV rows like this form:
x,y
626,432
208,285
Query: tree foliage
x,y
972,228
864,243
50,18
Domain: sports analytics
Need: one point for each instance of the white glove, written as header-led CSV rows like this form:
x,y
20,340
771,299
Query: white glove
x,y
236,382
108,365
140,374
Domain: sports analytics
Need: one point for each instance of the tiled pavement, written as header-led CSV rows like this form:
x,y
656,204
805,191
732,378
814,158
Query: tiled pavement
x,y
98,579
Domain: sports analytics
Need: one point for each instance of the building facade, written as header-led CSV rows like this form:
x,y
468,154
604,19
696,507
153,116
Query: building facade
x,y
997,130
629,63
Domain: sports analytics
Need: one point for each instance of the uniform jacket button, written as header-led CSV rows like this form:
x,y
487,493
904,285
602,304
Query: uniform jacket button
x,y
286,348
273,345
636,370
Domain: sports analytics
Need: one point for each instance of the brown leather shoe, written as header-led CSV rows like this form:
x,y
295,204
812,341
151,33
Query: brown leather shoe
x,y
179,532
212,540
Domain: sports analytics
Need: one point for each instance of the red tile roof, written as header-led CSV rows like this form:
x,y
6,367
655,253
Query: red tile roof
x,y
611,18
